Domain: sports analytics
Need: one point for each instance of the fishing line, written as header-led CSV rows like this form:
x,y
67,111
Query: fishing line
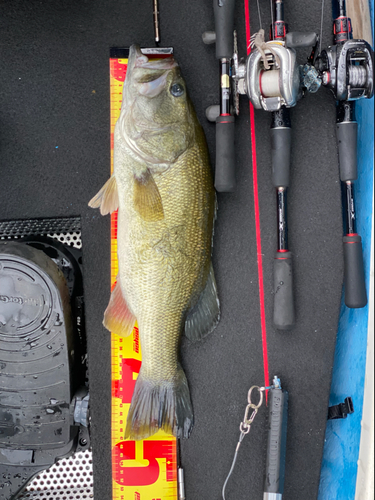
x,y
233,464
260,19
245,425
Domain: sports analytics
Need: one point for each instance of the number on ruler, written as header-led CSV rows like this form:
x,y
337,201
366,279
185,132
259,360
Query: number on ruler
x,y
143,475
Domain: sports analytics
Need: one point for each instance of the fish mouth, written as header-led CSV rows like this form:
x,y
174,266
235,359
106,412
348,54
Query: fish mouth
x,y
139,60
149,75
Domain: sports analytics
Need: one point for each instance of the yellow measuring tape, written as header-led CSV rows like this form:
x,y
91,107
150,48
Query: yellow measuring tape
x,y
141,470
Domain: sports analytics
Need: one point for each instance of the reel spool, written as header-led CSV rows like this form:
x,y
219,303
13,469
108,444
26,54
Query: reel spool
x,y
347,70
347,66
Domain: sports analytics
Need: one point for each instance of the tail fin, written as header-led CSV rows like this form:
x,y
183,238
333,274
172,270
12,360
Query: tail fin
x,y
160,405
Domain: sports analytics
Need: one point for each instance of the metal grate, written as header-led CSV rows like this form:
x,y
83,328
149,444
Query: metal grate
x,y
65,229
70,478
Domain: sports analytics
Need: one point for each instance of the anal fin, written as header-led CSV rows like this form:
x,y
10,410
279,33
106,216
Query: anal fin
x,y
106,198
117,317
205,315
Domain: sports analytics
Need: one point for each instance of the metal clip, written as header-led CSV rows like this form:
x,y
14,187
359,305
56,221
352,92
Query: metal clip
x,y
260,402
246,423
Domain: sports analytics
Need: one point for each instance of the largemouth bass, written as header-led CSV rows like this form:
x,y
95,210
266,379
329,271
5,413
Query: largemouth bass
x,y
162,186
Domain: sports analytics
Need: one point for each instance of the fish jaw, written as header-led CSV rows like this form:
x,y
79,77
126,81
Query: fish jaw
x,y
139,60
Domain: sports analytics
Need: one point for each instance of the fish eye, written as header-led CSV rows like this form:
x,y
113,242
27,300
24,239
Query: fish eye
x,y
177,90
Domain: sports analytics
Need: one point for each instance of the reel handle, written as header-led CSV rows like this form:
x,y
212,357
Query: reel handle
x,y
225,181
224,25
283,307
295,39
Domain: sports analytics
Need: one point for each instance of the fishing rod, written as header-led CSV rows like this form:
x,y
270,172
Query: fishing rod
x,y
225,180
346,68
273,81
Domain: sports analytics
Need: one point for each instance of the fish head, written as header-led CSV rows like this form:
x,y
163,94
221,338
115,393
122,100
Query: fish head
x,y
157,118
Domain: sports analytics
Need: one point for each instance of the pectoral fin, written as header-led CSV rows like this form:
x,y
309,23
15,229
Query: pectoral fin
x,y
205,315
147,199
117,317
106,198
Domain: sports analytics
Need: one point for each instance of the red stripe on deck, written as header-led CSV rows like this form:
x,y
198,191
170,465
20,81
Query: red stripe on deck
x,y
257,218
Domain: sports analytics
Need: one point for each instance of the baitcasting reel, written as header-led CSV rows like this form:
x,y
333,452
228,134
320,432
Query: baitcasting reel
x,y
271,76
346,67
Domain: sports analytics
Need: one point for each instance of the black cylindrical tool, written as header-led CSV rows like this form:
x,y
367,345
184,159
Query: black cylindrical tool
x,y
346,135
276,442
283,311
225,158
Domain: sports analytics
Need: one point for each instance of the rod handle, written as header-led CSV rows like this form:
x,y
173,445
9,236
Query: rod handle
x,y
225,181
354,274
283,308
276,443
224,25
